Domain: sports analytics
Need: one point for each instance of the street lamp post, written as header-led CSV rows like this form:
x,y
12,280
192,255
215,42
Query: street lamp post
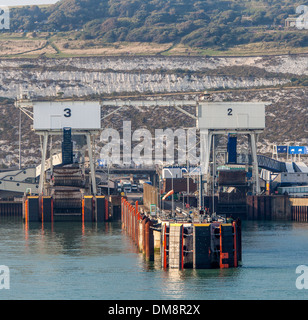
x,y
19,138
187,182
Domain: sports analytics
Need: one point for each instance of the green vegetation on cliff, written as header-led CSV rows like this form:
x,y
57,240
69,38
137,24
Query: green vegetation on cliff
x,y
214,24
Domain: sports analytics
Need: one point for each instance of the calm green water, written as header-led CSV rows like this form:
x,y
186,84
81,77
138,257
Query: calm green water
x,y
71,261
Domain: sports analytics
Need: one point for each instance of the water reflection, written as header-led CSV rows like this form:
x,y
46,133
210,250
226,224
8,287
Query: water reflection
x,y
174,284
276,226
75,260
72,238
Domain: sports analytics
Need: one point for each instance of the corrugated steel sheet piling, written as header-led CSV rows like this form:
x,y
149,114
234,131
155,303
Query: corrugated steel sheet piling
x,y
48,209
11,209
139,227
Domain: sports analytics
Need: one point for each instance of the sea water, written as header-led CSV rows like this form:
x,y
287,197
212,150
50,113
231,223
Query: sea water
x,y
78,261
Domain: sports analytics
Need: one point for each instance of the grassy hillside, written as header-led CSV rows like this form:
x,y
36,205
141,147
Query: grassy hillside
x,y
211,24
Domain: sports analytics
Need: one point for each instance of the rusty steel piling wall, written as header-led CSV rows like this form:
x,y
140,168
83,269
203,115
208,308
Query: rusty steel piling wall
x,y
42,209
277,208
299,209
11,209
139,227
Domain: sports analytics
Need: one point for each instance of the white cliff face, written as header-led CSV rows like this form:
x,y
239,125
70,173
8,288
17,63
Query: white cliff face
x,y
99,75
106,75
297,64
72,83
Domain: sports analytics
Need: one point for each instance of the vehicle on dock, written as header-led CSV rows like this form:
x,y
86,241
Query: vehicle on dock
x,y
127,187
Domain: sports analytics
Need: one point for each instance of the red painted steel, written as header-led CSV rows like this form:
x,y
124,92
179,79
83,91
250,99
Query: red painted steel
x,y
235,243
147,239
51,209
182,249
106,210
222,255
165,247
82,211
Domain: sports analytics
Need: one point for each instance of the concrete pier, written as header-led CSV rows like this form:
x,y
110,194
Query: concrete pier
x,y
183,244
